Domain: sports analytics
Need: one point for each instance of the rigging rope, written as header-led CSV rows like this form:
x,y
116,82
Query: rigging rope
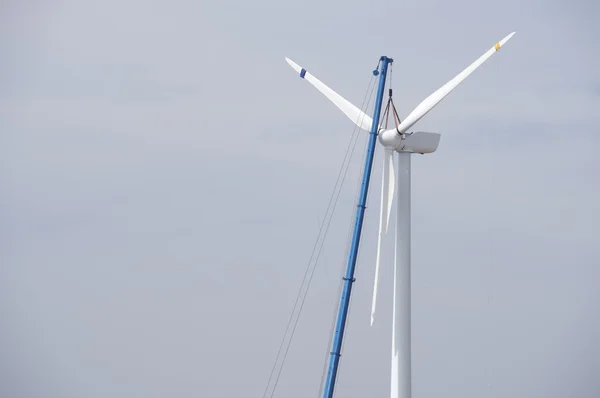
x,y
309,273
386,112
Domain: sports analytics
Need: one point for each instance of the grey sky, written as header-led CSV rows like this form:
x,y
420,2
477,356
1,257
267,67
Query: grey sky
x,y
164,173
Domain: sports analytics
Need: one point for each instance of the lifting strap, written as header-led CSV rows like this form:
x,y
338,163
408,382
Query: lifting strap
x,y
386,113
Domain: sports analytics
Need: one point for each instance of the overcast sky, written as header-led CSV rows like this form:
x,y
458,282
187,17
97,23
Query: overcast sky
x,y
164,174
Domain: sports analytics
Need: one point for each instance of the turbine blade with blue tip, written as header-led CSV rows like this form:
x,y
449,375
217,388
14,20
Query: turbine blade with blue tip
x,y
357,116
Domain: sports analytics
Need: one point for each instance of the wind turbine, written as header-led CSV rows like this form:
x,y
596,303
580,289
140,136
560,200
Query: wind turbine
x,y
395,177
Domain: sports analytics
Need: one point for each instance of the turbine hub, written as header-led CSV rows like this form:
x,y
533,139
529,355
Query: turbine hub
x,y
390,139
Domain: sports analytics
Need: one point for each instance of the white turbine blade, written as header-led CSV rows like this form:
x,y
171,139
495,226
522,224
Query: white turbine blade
x,y
357,116
431,101
391,186
387,196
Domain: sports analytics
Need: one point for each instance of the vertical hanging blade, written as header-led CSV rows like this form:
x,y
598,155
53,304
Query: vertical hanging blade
x,y
387,196
391,179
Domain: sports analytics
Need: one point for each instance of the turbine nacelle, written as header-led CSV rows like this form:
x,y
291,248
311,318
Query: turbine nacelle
x,y
419,142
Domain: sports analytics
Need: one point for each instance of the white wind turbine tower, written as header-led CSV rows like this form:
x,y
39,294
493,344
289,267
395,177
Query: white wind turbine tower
x,y
397,141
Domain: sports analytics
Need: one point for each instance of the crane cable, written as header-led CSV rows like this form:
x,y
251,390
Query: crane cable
x,y
310,269
342,268
385,116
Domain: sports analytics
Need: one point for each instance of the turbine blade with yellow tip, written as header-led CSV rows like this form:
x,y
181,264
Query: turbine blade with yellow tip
x,y
431,101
